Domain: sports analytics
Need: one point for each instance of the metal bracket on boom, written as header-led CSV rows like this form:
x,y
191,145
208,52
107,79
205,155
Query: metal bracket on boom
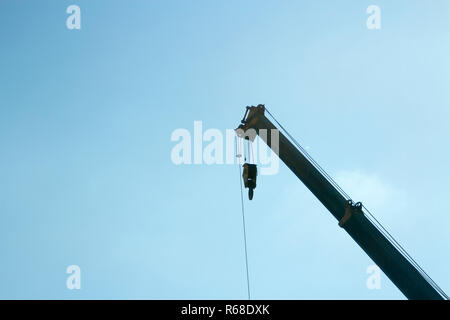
x,y
246,128
350,209
250,111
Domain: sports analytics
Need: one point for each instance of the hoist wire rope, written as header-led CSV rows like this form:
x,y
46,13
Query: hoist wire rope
x,y
238,155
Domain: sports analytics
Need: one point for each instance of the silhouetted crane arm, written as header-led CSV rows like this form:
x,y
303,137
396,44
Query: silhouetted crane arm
x,y
351,217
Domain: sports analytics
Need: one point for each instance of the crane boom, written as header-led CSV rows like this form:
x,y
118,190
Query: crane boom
x,y
408,279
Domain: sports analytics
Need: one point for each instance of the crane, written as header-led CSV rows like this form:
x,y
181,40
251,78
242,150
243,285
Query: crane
x,y
390,257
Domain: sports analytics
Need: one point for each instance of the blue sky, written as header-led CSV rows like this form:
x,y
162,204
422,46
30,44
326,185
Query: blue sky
x,y
86,118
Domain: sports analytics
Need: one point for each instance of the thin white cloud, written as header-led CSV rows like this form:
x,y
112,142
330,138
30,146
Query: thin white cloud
x,y
370,188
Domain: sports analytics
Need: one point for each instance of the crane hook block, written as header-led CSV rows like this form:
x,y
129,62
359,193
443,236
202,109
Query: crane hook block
x,y
249,175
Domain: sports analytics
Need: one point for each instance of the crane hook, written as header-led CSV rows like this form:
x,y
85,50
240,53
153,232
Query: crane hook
x,y
249,175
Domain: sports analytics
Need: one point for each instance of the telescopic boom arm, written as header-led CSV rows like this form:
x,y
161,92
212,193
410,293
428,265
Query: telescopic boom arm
x,y
351,217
